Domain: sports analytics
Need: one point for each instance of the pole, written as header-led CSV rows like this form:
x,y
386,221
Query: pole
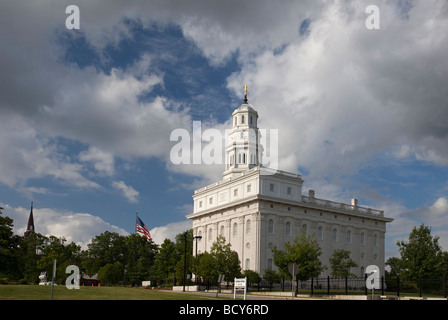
x,y
135,249
52,279
185,260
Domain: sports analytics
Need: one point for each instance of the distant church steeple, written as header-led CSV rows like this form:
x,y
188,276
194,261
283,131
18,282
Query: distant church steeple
x,y
30,226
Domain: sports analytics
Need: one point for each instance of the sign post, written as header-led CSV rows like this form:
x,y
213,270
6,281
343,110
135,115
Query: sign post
x,y
240,284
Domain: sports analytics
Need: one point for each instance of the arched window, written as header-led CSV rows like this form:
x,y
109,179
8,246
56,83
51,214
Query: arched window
x,y
242,118
288,228
222,231
210,236
320,234
269,264
335,235
235,229
304,229
248,227
247,264
375,240
348,237
271,226
362,238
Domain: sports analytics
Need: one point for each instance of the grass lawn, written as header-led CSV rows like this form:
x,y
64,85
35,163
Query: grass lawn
x,y
36,292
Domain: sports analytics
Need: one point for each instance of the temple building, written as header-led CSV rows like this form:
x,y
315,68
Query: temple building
x,y
256,209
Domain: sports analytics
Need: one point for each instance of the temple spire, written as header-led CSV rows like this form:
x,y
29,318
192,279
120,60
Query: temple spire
x,y
245,94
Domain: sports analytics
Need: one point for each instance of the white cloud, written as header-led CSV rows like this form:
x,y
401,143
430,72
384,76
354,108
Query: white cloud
x,y
128,192
169,231
103,161
29,154
75,227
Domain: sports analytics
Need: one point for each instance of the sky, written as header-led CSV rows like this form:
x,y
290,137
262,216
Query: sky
x,y
86,114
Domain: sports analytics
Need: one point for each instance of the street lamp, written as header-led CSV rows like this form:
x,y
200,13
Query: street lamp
x,y
196,254
185,259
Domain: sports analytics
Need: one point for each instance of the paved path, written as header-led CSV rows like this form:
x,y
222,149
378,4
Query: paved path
x,y
248,296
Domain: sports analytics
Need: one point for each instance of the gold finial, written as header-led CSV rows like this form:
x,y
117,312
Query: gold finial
x,y
245,94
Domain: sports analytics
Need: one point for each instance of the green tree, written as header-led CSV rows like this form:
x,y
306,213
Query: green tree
x,y
227,262
340,263
111,273
53,248
444,263
139,257
206,266
252,276
106,248
421,255
166,259
221,260
305,251
272,277
10,250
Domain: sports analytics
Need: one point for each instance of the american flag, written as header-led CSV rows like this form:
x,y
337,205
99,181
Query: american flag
x,y
141,228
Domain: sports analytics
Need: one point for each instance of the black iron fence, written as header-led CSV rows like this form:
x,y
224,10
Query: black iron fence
x,y
388,286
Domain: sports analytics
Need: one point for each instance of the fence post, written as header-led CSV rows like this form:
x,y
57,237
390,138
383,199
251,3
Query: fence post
x,y
328,285
420,286
365,286
312,285
382,285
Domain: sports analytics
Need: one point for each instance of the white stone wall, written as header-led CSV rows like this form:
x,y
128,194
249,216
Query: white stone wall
x,y
227,207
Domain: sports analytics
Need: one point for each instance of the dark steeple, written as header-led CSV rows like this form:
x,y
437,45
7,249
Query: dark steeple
x,y
30,226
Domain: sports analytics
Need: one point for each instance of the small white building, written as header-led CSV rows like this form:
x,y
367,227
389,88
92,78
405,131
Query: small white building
x,y
256,211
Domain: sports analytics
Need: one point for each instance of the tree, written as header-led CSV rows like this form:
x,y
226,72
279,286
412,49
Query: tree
x,y
227,262
166,258
252,276
53,248
340,263
272,277
106,248
139,257
111,273
206,266
9,247
421,256
395,266
221,260
305,251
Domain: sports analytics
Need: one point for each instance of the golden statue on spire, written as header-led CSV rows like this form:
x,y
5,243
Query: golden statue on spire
x,y
245,94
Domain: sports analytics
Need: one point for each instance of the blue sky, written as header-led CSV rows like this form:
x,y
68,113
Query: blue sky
x,y
86,115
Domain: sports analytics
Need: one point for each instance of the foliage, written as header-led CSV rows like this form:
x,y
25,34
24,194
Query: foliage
x,y
252,276
272,277
111,273
305,251
220,260
421,255
340,263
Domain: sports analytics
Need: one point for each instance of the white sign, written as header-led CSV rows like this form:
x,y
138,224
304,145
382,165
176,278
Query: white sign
x,y
240,284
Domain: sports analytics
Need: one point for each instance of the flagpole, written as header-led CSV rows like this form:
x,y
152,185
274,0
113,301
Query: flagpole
x,y
135,246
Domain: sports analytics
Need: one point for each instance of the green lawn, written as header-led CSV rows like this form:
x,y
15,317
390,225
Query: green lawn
x,y
36,292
